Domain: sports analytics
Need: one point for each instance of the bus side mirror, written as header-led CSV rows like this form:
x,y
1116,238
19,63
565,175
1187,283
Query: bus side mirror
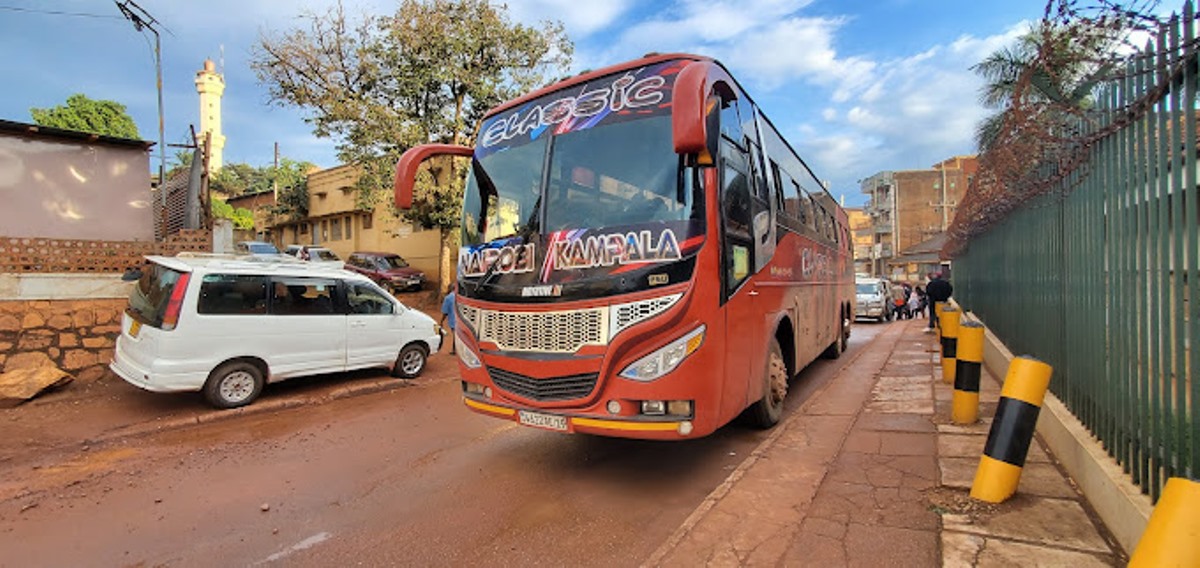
x,y
696,110
410,162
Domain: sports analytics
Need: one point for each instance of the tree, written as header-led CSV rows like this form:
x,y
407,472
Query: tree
x,y
426,73
242,218
108,118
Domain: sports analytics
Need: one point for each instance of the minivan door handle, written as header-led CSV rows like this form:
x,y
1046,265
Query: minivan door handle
x,y
358,324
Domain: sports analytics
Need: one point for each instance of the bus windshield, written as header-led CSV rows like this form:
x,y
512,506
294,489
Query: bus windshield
x,y
616,175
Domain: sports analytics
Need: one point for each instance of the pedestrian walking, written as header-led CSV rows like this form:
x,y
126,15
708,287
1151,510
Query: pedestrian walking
x,y
897,299
937,291
916,303
448,316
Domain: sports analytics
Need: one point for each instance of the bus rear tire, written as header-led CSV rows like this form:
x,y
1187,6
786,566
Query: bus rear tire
x,y
767,411
838,346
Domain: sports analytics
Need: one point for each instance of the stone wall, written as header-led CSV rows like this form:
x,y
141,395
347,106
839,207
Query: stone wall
x,y
77,336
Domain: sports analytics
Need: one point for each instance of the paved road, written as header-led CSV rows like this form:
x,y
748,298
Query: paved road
x,y
405,476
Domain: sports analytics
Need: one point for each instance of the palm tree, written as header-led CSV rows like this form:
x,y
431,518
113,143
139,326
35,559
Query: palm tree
x,y
1050,65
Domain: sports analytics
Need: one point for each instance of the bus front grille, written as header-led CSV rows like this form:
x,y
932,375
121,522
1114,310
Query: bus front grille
x,y
554,388
552,332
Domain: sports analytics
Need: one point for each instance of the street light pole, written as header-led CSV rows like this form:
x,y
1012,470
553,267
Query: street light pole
x,y
142,19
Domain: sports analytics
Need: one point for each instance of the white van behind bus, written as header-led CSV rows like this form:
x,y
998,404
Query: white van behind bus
x,y
227,326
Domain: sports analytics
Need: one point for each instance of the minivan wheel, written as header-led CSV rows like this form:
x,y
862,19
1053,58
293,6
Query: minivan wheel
x,y
410,362
233,384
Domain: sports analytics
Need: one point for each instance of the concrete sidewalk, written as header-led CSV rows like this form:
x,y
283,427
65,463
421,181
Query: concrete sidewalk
x,y
869,472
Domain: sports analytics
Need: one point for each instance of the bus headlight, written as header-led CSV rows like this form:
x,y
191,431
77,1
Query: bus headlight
x,y
466,355
665,359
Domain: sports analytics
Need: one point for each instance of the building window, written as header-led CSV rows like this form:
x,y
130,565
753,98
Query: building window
x,y
367,219
335,229
349,230
324,231
303,228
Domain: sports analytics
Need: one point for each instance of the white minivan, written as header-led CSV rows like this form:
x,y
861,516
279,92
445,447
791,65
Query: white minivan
x,y
226,326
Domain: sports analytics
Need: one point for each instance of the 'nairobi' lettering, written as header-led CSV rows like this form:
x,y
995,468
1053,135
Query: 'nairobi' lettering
x,y
506,259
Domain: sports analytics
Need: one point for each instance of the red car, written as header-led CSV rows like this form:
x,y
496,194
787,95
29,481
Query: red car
x,y
388,269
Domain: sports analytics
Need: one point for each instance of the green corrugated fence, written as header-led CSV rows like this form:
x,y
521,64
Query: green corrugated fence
x,y
1100,279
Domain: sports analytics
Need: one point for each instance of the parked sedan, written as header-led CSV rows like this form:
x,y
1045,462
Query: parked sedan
x,y
388,269
315,255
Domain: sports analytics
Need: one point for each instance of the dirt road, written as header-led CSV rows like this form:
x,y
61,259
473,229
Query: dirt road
x,y
406,476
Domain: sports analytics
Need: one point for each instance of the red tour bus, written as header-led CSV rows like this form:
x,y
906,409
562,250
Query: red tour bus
x,y
643,256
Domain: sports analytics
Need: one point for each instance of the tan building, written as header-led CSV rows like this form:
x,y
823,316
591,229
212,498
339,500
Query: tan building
x,y
911,207
336,222
260,204
863,236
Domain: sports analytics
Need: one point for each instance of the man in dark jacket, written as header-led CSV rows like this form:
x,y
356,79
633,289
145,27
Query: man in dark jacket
x,y
939,291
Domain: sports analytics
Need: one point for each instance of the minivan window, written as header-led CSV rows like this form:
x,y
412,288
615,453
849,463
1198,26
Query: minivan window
x,y
232,294
303,296
148,300
367,299
865,288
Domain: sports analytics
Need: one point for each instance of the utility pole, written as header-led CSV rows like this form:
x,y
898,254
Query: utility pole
x,y
275,177
142,19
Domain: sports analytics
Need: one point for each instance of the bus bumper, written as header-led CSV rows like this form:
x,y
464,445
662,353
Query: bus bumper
x,y
669,428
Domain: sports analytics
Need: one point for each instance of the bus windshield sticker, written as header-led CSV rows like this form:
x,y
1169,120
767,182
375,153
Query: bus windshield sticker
x,y
636,93
474,261
571,250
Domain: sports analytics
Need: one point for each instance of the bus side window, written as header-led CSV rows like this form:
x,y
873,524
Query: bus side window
x,y
777,177
807,213
731,123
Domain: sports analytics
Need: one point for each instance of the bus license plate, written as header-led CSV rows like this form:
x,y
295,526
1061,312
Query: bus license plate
x,y
538,420
134,327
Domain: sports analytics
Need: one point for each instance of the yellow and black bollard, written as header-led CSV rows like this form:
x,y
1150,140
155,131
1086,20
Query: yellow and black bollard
x,y
1173,532
969,352
948,319
1012,430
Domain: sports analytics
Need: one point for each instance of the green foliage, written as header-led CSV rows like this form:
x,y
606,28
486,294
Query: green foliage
x,y
426,73
108,118
242,218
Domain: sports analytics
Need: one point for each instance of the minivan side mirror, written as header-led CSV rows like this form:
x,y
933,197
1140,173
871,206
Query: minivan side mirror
x,y
132,274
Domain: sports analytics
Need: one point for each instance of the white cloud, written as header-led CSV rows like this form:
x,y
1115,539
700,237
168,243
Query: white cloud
x,y
580,18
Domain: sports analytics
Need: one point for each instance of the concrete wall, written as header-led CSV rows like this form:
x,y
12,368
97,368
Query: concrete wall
x,y
74,190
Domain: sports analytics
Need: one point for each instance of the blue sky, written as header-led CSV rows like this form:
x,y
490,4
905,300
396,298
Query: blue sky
x,y
856,86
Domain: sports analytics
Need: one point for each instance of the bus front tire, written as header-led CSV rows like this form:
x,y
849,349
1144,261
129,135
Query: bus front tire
x,y
767,411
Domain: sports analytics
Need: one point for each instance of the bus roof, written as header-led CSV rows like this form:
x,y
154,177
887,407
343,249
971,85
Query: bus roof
x,y
648,59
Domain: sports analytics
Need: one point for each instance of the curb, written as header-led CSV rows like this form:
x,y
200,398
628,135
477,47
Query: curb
x,y
264,406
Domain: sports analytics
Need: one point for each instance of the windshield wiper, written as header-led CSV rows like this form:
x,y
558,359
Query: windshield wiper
x,y
531,226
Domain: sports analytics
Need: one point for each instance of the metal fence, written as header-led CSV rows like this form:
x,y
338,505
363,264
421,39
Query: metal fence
x,y
1100,278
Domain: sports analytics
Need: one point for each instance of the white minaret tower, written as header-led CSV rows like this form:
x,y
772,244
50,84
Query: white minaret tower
x,y
211,86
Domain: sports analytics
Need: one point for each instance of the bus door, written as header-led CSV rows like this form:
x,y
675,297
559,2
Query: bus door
x,y
743,349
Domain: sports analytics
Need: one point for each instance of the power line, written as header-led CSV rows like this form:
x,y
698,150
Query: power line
x,y
58,12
